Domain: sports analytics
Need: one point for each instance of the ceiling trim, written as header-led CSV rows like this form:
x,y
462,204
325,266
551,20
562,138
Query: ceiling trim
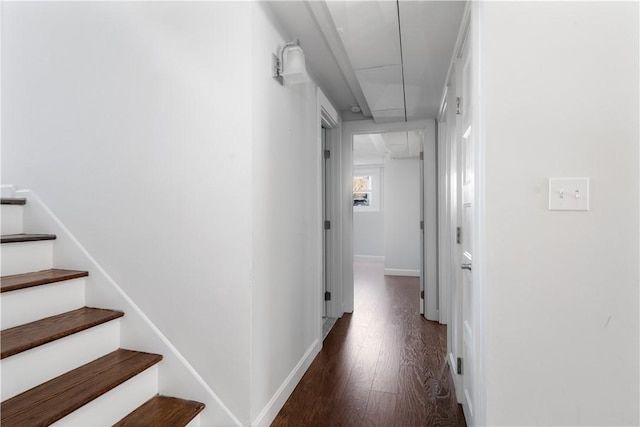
x,y
321,14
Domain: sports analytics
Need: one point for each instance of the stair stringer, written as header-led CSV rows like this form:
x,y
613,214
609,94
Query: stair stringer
x,y
177,377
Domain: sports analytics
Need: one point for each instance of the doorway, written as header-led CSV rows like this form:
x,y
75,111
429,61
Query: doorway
x,y
327,320
387,202
351,133
329,229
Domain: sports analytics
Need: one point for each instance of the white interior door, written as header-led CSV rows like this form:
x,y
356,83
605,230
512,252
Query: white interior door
x,y
456,260
454,330
468,297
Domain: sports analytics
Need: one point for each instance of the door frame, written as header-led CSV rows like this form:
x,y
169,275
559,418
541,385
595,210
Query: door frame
x,y
479,254
471,31
444,210
349,129
329,119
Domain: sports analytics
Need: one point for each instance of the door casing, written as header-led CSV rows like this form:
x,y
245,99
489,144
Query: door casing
x,y
329,242
470,37
349,129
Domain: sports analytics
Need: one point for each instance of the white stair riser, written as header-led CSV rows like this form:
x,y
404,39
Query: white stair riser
x,y
31,304
8,190
11,219
26,257
30,368
114,405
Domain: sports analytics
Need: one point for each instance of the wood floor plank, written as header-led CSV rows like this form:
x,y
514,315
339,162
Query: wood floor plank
x,y
53,400
37,278
388,367
383,365
381,409
24,337
162,411
351,408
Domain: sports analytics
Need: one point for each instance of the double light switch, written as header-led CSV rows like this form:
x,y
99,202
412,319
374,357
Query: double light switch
x,y
568,194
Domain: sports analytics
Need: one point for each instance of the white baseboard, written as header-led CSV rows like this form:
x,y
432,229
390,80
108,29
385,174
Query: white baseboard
x,y
368,258
401,272
268,414
456,384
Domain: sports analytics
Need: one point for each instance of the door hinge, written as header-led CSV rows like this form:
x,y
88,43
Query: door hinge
x,y
422,155
327,225
458,105
327,154
458,235
421,294
421,225
327,296
459,367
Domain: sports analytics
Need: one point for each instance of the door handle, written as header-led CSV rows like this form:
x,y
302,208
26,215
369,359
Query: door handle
x,y
466,267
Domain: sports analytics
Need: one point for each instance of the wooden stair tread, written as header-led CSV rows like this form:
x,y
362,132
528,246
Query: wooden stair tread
x,y
24,237
13,201
36,278
57,398
162,411
24,337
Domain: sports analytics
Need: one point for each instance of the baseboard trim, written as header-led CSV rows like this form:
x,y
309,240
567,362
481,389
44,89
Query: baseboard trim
x,y
401,272
368,258
454,376
268,414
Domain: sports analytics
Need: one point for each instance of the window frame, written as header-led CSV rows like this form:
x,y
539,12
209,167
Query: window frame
x,y
376,194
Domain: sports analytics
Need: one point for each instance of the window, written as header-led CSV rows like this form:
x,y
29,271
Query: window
x,y
366,189
362,190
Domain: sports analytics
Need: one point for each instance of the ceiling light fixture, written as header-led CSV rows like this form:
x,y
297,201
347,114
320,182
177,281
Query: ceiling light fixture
x,y
355,109
290,66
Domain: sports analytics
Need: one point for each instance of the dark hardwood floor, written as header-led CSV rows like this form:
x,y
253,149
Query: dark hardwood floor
x,y
383,365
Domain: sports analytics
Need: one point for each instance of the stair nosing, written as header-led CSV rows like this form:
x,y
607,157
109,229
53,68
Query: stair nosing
x,y
19,201
194,408
39,325
25,237
58,392
56,275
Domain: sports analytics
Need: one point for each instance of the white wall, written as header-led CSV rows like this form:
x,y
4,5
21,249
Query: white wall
x,y
127,121
402,216
157,134
561,299
368,234
133,108
286,221
368,226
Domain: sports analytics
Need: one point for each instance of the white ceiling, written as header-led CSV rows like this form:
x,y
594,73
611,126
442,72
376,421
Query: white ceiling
x,y
391,58
372,149
366,151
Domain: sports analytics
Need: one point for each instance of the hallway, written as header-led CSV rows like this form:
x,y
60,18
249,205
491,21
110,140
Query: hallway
x,y
383,365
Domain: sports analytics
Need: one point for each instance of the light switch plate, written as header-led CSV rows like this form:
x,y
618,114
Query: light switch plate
x,y
568,194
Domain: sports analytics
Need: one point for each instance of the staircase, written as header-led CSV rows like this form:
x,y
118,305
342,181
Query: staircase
x,y
61,361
